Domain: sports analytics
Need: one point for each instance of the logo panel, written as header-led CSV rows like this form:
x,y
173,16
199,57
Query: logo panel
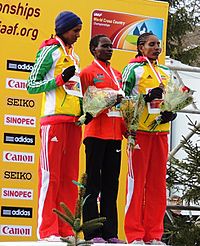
x,y
17,120
18,157
19,65
20,102
14,138
20,194
16,84
17,175
16,230
16,212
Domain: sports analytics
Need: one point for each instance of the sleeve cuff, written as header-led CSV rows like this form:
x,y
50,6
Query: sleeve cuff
x,y
59,80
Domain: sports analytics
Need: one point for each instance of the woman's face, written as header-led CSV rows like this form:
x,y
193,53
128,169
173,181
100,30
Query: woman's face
x,y
103,51
151,48
72,35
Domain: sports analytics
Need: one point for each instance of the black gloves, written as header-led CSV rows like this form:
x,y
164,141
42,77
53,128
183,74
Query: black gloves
x,y
68,73
88,118
167,116
153,94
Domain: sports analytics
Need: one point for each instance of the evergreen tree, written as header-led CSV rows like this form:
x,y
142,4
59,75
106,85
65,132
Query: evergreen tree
x,y
182,41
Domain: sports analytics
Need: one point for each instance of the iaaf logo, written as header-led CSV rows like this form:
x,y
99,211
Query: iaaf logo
x,y
20,102
22,157
16,212
19,65
17,120
16,230
16,84
21,194
13,175
13,138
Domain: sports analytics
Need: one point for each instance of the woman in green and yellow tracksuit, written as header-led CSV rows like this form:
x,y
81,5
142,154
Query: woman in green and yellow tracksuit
x,y
146,182
56,64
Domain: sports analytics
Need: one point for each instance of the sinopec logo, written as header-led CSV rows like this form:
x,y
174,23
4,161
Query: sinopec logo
x,y
13,138
18,157
16,230
20,102
16,175
16,84
21,194
18,120
20,65
16,212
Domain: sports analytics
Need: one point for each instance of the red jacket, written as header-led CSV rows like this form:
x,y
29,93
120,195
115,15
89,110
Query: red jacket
x,y
102,126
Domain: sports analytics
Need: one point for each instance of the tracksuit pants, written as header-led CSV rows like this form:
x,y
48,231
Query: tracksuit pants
x,y
146,190
103,159
59,165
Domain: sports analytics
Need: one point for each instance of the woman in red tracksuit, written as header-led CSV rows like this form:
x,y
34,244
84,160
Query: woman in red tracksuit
x,y
102,139
146,184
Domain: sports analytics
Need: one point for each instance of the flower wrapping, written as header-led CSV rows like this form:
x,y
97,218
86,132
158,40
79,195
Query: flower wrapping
x,y
176,97
96,100
131,109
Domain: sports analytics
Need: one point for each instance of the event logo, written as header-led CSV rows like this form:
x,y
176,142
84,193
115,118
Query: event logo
x,y
20,65
16,84
17,175
18,157
21,194
16,212
13,138
18,120
20,102
16,230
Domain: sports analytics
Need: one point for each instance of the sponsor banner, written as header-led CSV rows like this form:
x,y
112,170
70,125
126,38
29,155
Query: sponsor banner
x,y
18,157
20,102
19,65
14,138
21,212
16,230
19,120
20,194
16,84
17,175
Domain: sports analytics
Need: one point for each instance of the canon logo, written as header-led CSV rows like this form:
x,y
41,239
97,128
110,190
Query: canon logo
x,y
22,194
16,84
17,175
19,102
19,138
16,230
19,65
22,157
16,120
16,212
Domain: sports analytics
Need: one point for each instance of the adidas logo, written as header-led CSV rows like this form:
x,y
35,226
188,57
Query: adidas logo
x,y
54,139
137,146
149,77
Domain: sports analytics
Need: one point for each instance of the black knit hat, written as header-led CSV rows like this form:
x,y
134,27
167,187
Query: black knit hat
x,y
65,21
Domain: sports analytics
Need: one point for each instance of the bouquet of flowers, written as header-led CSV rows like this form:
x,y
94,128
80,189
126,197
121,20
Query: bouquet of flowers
x,y
131,109
176,97
96,100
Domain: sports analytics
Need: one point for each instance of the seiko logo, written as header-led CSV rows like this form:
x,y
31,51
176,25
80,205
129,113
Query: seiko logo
x,y
19,138
22,157
22,194
16,84
19,102
17,175
16,120
16,230
16,212
19,66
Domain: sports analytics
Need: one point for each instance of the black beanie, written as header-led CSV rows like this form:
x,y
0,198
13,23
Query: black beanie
x,y
65,21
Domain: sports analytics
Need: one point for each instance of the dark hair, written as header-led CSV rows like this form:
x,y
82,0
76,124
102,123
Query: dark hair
x,y
95,41
142,40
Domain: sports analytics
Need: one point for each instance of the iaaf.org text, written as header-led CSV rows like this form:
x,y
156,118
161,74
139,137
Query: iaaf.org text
x,y
17,30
